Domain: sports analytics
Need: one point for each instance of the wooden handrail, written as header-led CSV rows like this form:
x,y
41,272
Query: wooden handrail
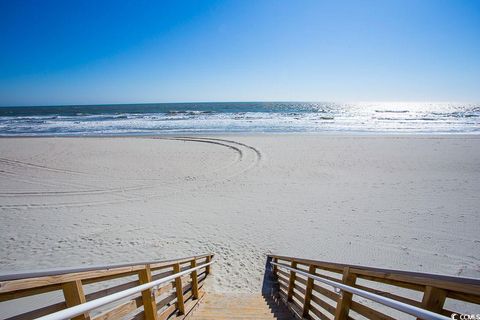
x,y
347,291
310,299
51,272
82,308
157,303
340,267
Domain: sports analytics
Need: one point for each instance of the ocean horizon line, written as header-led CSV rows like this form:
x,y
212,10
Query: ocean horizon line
x,y
239,101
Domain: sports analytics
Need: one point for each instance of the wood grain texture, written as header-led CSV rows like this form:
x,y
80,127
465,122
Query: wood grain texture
x,y
74,295
141,307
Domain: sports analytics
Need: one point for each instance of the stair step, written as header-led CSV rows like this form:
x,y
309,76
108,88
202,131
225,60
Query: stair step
x,y
241,307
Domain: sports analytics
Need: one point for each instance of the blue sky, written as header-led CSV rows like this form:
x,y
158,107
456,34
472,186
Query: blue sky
x,y
88,52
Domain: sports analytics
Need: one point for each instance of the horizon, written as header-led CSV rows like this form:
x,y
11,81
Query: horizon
x,y
246,101
88,53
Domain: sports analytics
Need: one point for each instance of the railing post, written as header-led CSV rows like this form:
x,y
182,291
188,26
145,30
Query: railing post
x,y
74,295
275,268
148,296
433,299
291,283
345,299
194,276
207,268
179,290
308,292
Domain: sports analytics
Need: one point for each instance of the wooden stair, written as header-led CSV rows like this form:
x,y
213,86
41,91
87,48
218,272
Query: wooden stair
x,y
178,289
240,306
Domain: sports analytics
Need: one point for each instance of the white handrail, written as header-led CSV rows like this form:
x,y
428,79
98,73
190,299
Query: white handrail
x,y
412,310
88,306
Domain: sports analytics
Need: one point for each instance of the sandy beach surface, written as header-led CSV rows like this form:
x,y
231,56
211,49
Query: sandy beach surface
x,y
405,202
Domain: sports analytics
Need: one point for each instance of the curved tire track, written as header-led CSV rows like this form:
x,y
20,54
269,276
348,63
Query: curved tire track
x,y
247,158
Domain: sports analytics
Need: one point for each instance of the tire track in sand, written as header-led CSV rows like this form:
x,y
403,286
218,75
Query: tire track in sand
x,y
231,144
247,158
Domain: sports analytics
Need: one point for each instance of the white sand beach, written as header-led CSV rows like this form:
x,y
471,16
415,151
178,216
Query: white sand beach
x,y
404,202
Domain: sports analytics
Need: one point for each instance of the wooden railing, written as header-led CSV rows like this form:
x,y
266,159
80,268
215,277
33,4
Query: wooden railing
x,y
312,299
77,286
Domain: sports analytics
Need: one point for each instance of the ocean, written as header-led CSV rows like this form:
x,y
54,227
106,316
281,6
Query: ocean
x,y
239,117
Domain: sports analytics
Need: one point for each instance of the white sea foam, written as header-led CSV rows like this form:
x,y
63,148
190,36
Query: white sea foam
x,y
241,117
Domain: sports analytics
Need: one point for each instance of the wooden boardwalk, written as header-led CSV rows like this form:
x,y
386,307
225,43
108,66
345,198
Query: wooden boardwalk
x,y
240,306
293,288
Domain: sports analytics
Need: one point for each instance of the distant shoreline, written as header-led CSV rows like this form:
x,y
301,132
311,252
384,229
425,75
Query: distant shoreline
x,y
474,135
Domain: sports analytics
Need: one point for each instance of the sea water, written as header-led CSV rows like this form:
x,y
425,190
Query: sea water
x,y
240,117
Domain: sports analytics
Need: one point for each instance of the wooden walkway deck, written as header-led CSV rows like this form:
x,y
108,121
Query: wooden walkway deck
x,y
239,306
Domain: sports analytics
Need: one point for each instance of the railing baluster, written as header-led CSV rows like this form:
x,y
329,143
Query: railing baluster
x,y
148,296
291,283
207,270
345,300
179,290
433,299
308,292
275,268
74,295
194,277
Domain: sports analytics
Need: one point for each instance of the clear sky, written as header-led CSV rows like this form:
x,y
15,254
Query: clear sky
x,y
88,52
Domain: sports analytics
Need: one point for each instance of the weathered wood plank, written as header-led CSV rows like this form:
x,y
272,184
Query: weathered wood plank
x,y
56,272
368,312
404,285
436,288
190,306
10,295
464,297
148,297
318,313
308,291
283,287
74,295
39,312
139,316
275,268
390,295
299,297
301,280
327,293
168,312
194,279
291,283
49,280
293,305
208,269
299,289
162,274
434,299
166,300
70,281
283,281
110,290
179,290
323,304
170,263
343,304
118,312
29,283
409,276
283,273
